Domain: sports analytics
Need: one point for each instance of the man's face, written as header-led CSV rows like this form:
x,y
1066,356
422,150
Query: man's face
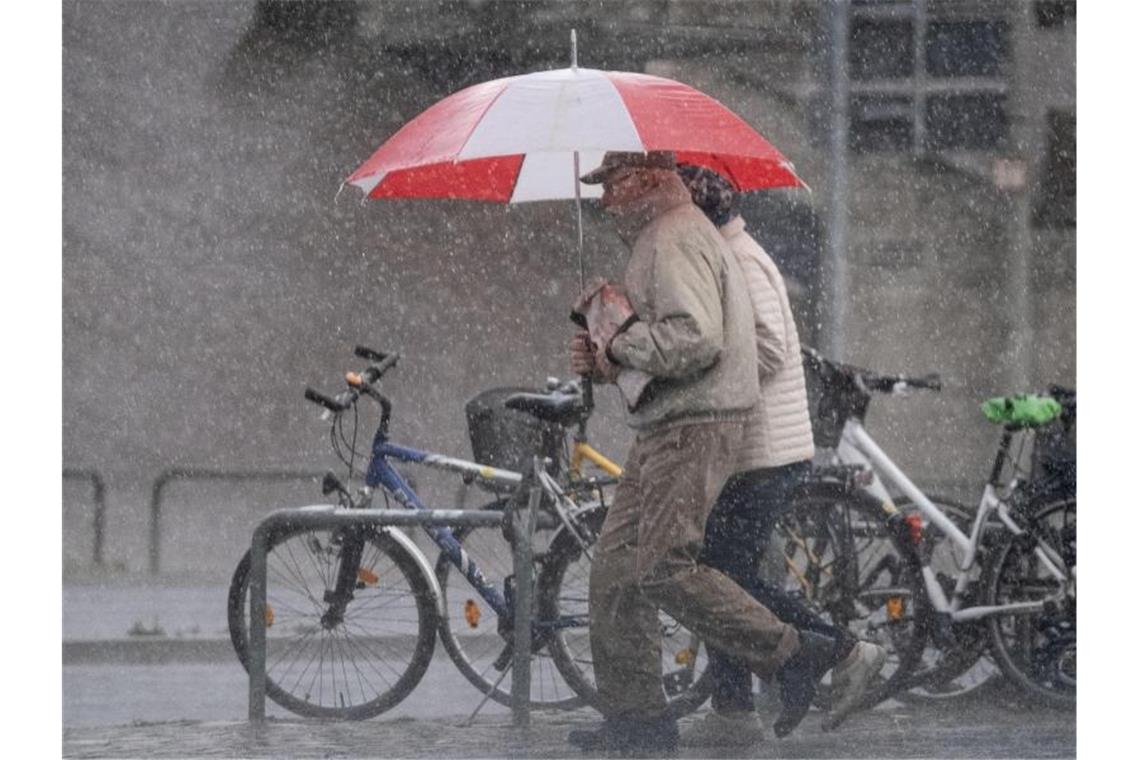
x,y
621,186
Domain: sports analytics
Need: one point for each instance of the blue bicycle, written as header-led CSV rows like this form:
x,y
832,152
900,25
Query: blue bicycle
x,y
353,614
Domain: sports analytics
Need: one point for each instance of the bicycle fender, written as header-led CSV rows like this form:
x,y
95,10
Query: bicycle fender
x,y
405,541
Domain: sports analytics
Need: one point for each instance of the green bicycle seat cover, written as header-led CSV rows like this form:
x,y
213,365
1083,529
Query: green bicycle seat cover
x,y
1028,410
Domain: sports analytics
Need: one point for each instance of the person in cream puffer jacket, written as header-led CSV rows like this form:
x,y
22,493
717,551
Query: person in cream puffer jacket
x,y
779,430
773,458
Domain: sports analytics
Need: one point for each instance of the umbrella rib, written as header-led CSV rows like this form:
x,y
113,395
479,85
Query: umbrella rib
x,y
515,183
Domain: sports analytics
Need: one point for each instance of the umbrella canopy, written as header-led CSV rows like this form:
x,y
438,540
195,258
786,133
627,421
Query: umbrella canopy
x,y
526,138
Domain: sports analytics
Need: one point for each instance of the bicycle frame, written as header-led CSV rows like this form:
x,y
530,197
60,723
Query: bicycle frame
x,y
583,451
857,447
381,474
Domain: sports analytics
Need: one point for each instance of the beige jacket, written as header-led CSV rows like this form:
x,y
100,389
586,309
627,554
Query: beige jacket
x,y
694,334
779,430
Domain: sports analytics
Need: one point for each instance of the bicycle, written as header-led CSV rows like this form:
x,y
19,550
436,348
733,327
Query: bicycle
x,y
353,614
1012,592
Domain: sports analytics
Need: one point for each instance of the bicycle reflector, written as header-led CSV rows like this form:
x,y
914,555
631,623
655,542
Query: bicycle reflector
x,y
367,576
354,379
684,657
914,522
895,608
472,613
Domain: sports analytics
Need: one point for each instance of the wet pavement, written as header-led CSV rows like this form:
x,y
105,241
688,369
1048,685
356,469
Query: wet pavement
x,y
975,732
148,672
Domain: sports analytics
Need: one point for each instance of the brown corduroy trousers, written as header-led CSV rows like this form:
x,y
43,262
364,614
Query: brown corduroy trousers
x,y
646,559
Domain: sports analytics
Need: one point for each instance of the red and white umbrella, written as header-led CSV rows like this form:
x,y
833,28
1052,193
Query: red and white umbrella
x,y
527,138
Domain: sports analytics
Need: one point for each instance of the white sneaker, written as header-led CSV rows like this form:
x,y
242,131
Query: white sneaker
x,y
850,679
736,729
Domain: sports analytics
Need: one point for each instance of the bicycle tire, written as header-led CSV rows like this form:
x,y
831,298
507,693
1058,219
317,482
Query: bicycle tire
x,y
1037,652
838,548
563,593
301,565
968,668
469,633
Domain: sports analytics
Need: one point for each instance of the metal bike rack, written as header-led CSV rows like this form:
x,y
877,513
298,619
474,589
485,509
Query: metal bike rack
x,y
203,473
99,520
524,522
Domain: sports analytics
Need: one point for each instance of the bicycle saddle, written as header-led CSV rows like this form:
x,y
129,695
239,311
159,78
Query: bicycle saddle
x,y
557,407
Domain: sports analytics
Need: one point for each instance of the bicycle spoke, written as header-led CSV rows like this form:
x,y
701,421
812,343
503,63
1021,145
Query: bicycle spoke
x,y
370,658
297,645
351,645
360,643
289,581
300,575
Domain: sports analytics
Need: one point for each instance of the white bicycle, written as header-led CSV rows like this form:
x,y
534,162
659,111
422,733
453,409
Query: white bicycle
x,y
999,580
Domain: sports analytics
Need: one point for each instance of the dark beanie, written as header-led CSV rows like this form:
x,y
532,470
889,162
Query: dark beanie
x,y
712,193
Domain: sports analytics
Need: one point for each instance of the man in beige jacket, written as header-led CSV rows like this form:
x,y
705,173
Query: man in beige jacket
x,y
692,336
773,459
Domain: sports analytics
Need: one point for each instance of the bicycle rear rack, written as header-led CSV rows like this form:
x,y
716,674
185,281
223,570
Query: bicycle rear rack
x,y
522,520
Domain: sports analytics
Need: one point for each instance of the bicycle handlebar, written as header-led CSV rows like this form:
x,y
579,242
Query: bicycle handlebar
x,y
874,382
895,383
319,398
361,382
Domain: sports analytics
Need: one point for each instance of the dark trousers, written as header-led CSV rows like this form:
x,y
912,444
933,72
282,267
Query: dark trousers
x,y
737,535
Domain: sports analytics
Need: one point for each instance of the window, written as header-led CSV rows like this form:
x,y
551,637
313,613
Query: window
x,y
1056,204
1054,13
940,86
966,48
881,122
881,49
965,120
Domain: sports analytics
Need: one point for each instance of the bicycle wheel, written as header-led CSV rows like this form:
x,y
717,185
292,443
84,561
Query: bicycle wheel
x,y
563,595
359,667
1037,651
469,629
966,667
851,567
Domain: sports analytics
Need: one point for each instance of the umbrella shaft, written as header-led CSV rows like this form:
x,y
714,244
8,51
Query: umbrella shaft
x,y
578,206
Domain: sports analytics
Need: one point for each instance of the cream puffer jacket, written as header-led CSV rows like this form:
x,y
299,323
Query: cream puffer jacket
x,y
694,336
779,430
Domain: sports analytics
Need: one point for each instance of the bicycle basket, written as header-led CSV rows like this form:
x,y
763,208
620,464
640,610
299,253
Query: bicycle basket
x,y
832,399
507,438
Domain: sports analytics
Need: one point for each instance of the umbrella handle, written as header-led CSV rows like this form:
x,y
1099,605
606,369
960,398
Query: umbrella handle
x,y
588,393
